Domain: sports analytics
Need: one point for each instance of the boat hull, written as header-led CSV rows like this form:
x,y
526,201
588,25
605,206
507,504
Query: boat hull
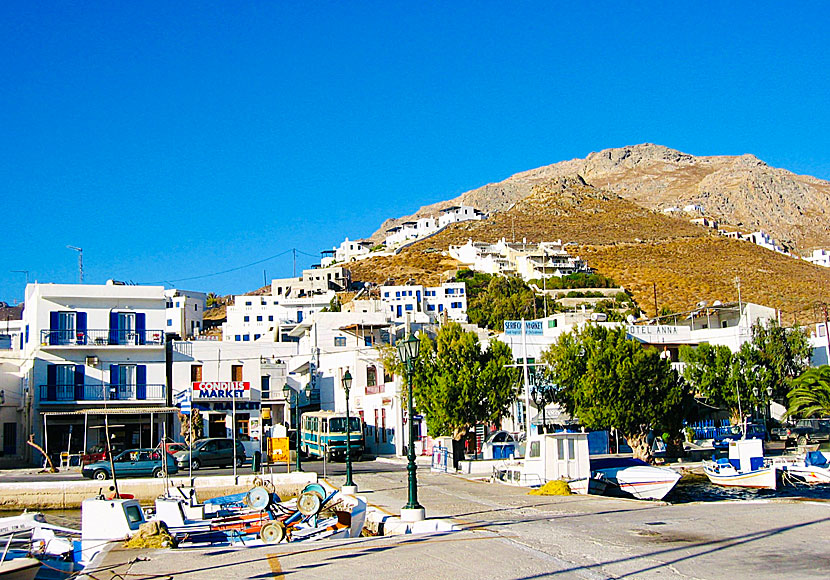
x,y
643,481
764,478
19,569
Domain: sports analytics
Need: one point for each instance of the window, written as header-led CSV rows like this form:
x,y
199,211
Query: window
x,y
461,291
368,340
246,319
178,304
168,304
195,308
534,449
271,318
195,373
246,338
259,318
386,294
552,323
371,377
339,341
430,307
169,322
397,294
265,386
256,336
236,372
238,337
409,306
248,303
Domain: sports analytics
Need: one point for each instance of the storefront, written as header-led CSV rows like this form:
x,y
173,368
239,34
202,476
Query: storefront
x,y
229,409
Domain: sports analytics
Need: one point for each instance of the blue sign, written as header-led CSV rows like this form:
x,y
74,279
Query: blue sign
x,y
532,327
186,405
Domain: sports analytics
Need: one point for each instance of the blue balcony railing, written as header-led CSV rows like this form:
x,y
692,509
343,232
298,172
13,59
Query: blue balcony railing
x,y
101,392
101,337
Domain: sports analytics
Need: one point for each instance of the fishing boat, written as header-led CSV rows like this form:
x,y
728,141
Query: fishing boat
x,y
635,477
746,466
812,468
33,546
25,568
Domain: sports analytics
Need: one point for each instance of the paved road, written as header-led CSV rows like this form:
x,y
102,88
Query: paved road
x,y
509,534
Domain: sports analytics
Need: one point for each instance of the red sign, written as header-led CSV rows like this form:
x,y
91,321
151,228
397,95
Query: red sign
x,y
222,390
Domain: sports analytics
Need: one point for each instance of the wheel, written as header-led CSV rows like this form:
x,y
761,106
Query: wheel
x,y
158,472
100,475
272,533
309,503
196,464
801,441
240,461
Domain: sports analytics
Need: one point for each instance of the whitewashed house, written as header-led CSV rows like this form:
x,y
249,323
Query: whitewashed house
x,y
460,213
91,351
270,317
819,258
447,300
350,250
185,313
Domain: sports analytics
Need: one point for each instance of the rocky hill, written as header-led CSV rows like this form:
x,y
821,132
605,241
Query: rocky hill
x,y
739,190
639,248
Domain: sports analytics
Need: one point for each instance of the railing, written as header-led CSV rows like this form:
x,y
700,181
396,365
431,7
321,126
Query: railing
x,y
101,392
101,337
710,429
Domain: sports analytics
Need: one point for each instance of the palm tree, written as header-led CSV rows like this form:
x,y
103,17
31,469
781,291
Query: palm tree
x,y
810,394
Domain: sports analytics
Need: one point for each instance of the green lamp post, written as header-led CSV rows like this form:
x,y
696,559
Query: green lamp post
x,y
408,352
292,395
348,487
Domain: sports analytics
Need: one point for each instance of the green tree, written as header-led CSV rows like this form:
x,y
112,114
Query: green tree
x,y
810,394
608,380
762,369
457,384
212,300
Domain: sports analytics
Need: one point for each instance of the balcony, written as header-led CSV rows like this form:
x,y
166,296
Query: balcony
x,y
102,337
102,393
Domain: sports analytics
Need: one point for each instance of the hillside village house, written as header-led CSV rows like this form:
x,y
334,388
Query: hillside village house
x,y
425,226
449,300
819,258
530,261
270,317
185,313
91,351
348,251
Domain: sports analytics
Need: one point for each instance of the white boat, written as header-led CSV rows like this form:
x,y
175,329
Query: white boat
x,y
746,466
635,477
19,568
811,468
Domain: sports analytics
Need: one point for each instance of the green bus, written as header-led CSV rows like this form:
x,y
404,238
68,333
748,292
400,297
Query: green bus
x,y
324,435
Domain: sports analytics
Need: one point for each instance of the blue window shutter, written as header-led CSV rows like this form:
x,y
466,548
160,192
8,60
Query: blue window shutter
x,y
141,382
53,328
51,380
113,329
80,327
141,327
79,382
112,387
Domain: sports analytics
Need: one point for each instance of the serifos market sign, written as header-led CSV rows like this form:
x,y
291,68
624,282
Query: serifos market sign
x,y
221,390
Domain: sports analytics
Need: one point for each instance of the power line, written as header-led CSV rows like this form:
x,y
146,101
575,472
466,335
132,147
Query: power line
x,y
229,270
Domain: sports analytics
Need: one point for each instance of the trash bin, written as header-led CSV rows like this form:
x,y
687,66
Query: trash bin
x,y
256,461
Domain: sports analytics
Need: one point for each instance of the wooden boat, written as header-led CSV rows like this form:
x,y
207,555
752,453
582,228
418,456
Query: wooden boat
x,y
746,466
19,568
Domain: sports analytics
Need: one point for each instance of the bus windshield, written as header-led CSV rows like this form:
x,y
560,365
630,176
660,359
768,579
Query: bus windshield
x,y
338,425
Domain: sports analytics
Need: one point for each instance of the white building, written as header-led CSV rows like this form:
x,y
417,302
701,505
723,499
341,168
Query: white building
x,y
347,251
530,261
340,341
447,300
461,213
270,317
426,226
313,281
764,240
91,351
185,313
819,258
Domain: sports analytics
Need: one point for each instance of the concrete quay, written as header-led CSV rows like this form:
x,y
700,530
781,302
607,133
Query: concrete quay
x,y
509,534
45,494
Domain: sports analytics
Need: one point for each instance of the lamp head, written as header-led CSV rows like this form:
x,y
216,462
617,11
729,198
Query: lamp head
x,y
347,381
408,349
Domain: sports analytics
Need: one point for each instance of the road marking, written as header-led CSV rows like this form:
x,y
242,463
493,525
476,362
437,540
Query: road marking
x,y
276,569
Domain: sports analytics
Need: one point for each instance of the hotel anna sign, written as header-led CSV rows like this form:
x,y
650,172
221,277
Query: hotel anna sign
x,y
659,333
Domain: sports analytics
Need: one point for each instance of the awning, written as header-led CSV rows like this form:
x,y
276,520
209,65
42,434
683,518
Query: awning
x,y
115,411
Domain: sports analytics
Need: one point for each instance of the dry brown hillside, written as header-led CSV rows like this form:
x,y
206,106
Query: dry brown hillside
x,y
739,190
635,246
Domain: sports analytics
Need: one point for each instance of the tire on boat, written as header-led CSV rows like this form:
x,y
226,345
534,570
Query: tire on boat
x,y
309,503
272,533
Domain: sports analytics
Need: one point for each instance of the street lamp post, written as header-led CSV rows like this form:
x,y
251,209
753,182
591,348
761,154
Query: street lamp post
x,y
349,487
295,395
408,352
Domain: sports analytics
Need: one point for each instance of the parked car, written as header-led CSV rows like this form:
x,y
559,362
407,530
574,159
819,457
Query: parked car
x,y
811,431
753,431
132,463
173,448
213,451
93,454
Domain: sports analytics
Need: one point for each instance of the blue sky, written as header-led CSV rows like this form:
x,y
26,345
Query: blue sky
x,y
172,140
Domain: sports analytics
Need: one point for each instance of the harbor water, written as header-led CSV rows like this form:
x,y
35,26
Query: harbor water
x,y
697,488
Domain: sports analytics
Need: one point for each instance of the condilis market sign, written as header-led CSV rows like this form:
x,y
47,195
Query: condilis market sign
x,y
222,390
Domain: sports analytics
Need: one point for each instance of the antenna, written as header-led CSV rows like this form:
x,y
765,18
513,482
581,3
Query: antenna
x,y
80,262
22,272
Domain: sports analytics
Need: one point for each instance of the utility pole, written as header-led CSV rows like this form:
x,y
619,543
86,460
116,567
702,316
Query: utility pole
x,y
826,329
294,251
740,304
80,262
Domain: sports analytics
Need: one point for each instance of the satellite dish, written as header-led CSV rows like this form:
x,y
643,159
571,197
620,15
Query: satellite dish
x,y
702,304
717,303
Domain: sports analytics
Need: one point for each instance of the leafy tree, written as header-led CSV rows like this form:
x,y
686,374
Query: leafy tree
x,y
738,381
493,299
810,394
607,380
212,300
456,384
334,305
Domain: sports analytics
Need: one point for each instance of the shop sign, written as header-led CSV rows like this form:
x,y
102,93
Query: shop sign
x,y
222,390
